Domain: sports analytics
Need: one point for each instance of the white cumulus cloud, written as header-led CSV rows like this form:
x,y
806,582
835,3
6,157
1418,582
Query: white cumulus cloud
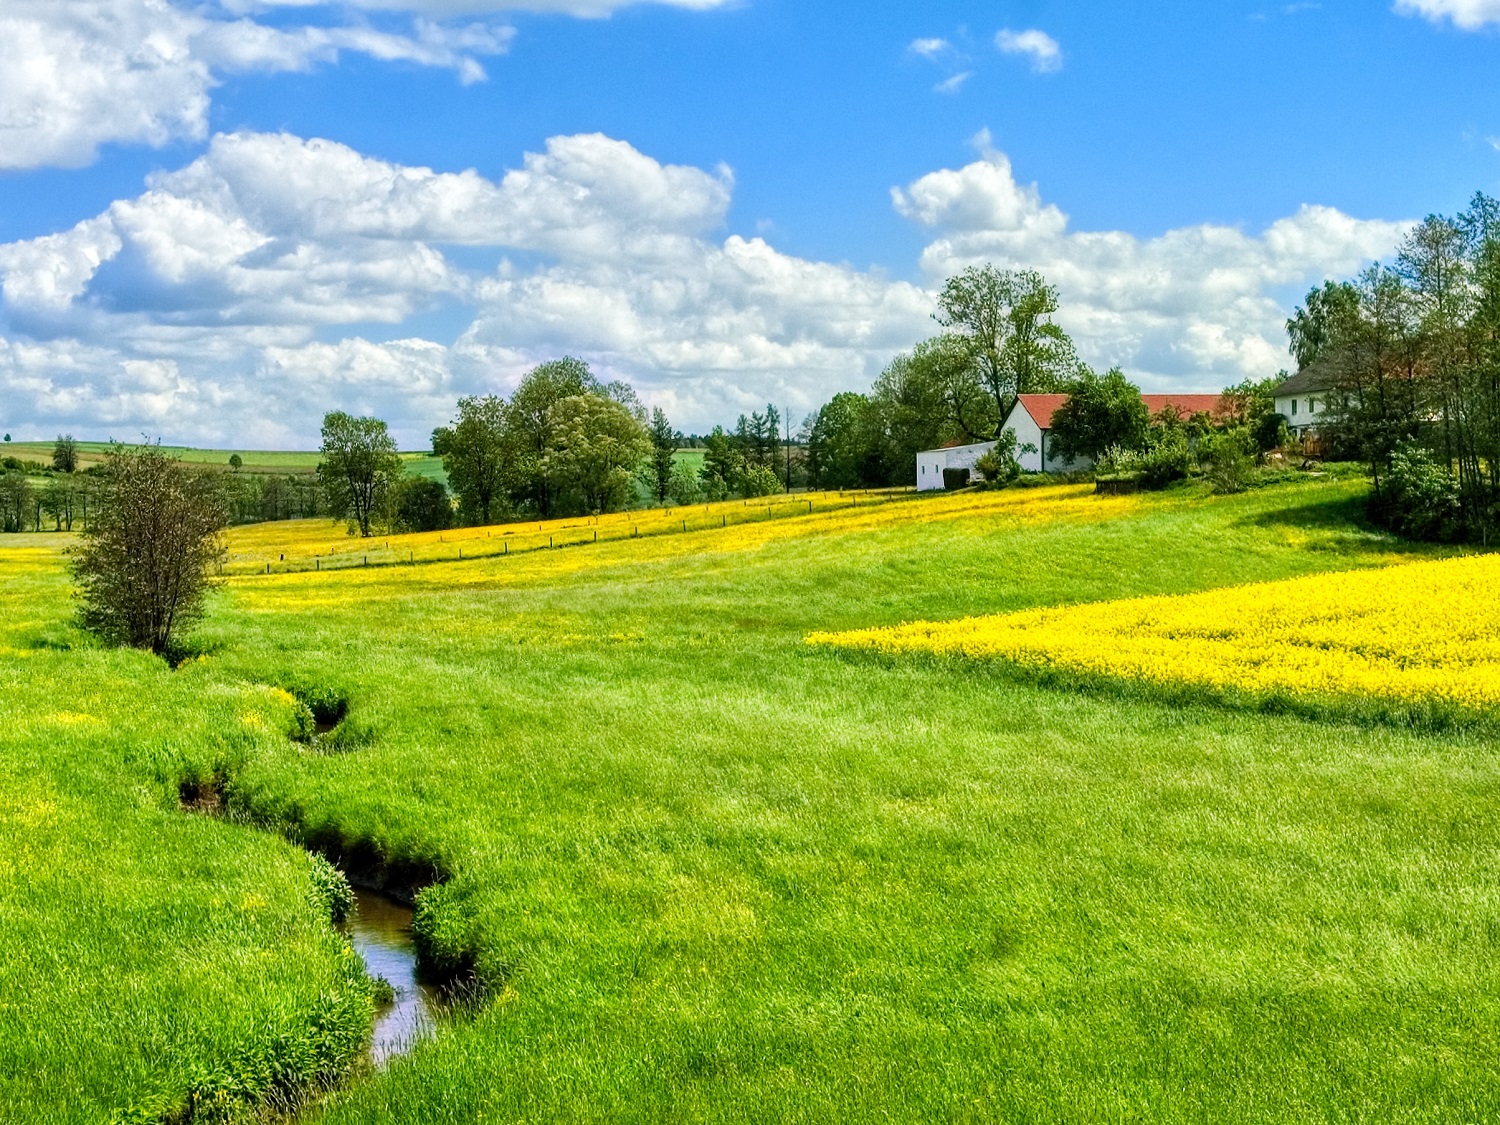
x,y
238,297
1044,51
1467,14
929,48
1194,307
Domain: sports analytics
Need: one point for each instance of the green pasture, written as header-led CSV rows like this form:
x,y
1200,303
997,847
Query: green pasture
x,y
709,874
260,461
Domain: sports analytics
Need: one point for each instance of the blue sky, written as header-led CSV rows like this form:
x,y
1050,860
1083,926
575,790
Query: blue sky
x,y
700,194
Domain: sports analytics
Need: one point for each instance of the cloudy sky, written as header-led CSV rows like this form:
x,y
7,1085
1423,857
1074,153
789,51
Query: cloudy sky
x,y
220,218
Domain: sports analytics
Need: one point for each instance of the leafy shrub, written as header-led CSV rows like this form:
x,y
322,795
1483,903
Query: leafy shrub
x,y
759,481
330,890
1166,459
1271,432
420,504
683,486
1421,496
1228,459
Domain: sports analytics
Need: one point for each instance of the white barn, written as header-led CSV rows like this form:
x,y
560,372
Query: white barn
x,y
1031,420
932,462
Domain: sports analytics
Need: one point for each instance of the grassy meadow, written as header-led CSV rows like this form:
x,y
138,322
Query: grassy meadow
x,y
708,872
259,461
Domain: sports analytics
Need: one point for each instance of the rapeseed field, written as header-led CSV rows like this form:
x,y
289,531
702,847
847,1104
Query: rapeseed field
x,y
1422,633
707,872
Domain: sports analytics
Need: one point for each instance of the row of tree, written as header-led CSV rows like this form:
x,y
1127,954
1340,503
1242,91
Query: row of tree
x,y
1410,354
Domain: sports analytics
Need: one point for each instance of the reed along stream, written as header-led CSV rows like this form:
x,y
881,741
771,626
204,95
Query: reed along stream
x,y
380,929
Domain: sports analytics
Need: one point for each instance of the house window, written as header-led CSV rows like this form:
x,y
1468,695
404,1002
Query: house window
x,y
1294,408
1312,406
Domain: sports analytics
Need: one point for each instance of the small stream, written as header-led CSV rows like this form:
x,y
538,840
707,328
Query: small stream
x,y
380,929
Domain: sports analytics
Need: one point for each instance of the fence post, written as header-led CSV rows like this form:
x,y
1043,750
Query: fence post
x,y
549,540
684,525
367,560
317,563
268,568
596,537
507,546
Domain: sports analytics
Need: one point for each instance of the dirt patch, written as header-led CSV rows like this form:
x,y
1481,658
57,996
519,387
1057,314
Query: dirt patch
x,y
205,797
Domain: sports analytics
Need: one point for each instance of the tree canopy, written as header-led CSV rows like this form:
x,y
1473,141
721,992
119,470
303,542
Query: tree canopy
x,y
1003,321
360,464
1102,411
475,455
143,568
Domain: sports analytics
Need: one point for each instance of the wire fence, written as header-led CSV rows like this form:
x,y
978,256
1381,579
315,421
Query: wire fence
x,y
507,540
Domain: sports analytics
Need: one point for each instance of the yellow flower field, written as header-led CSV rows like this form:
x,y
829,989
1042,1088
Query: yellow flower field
x,y
1417,633
291,545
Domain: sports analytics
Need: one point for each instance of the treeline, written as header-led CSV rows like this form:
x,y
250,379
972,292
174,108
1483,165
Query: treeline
x,y
34,494
1410,354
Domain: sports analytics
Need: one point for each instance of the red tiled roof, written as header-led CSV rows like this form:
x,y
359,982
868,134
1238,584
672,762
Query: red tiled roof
x,y
1042,407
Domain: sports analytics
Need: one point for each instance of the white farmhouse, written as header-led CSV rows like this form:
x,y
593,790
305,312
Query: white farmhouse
x,y
1303,399
1031,421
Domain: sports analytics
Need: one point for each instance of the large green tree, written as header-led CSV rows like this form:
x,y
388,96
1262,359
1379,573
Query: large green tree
x,y
474,453
927,397
844,444
596,444
360,464
664,442
1003,320
529,426
1102,412
65,454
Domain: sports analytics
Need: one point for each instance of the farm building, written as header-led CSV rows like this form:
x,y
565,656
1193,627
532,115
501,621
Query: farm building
x,y
1303,399
1031,421
952,458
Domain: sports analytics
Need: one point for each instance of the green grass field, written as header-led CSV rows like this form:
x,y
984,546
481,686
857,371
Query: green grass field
x,y
254,460
708,873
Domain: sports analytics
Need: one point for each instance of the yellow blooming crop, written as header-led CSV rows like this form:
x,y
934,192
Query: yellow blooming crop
x,y
1416,633
624,539
291,545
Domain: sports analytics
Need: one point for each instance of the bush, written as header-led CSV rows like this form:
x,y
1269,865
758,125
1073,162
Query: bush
x,y
1272,432
143,567
420,504
682,485
1421,497
1228,459
1166,459
759,481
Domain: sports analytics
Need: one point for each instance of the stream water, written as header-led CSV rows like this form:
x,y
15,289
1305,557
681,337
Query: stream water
x,y
380,929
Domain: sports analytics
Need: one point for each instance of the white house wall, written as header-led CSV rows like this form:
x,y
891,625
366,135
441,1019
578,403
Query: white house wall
x,y
930,469
1024,426
1051,464
1301,411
